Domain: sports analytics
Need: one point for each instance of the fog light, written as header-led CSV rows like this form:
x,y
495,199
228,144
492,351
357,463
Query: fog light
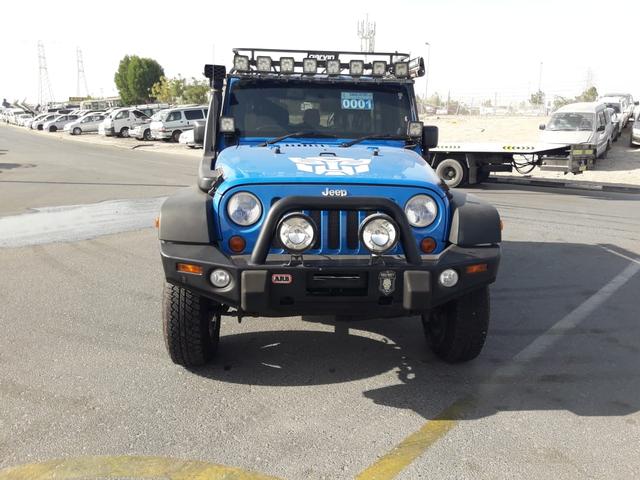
x,y
379,233
220,278
448,278
297,232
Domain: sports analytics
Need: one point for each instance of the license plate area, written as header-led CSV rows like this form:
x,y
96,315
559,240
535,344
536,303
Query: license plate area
x,y
337,284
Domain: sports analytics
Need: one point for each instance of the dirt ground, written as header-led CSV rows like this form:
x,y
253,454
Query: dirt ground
x,y
622,164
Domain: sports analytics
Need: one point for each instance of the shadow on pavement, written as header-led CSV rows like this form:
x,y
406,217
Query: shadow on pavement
x,y
589,370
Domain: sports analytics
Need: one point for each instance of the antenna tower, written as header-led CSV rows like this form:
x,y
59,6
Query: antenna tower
x,y
367,35
82,78
45,93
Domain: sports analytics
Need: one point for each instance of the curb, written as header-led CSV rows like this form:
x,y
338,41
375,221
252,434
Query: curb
x,y
591,186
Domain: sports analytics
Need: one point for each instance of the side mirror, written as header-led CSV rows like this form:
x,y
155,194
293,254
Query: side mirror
x,y
542,126
601,128
636,103
429,137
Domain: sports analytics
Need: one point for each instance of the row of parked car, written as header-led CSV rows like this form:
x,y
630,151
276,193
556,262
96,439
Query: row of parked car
x,y
147,122
600,123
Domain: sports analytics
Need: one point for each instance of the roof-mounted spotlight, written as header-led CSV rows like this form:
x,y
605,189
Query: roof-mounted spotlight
x,y
241,63
333,67
309,66
356,68
401,69
263,64
379,68
287,64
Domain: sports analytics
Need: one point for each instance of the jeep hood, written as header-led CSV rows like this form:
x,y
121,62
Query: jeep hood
x,y
324,164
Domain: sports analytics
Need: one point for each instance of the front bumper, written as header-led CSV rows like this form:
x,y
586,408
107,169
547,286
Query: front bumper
x,y
330,285
161,135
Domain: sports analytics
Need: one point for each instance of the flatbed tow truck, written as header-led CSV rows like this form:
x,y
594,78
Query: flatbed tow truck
x,y
459,164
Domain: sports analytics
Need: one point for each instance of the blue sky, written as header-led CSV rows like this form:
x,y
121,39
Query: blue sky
x,y
478,48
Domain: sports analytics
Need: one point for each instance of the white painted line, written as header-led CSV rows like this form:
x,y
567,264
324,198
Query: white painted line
x,y
570,321
78,222
634,260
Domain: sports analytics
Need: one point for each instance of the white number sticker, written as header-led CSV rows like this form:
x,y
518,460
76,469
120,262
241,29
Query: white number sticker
x,y
357,100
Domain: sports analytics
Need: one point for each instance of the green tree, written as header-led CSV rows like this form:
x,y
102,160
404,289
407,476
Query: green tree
x,y
168,90
135,77
589,95
559,101
196,92
435,100
537,98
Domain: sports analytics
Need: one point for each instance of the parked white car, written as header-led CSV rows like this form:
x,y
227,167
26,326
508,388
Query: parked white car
x,y
120,121
38,123
58,122
635,133
622,106
24,118
580,123
88,123
174,121
615,118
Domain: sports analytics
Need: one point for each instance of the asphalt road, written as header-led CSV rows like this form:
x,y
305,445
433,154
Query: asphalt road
x,y
83,369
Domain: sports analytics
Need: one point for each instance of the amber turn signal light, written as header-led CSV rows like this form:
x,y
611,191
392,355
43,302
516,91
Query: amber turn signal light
x,y
478,268
189,268
237,244
428,245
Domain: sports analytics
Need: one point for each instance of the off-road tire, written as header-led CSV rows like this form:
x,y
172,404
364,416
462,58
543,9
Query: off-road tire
x,y
456,331
191,326
453,172
175,136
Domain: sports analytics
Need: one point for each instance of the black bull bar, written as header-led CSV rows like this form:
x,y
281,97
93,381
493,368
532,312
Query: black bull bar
x,y
297,203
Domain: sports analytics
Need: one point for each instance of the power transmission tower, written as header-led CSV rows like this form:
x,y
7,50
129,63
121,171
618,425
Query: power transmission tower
x,y
367,34
45,93
82,78
588,83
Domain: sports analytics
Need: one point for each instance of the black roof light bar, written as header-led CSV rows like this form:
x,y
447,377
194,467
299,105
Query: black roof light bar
x,y
331,63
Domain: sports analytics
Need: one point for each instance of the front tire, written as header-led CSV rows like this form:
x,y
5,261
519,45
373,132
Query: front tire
x,y
191,326
77,131
53,128
457,330
452,172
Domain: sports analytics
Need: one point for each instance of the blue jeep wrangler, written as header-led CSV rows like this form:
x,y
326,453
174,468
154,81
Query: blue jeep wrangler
x,y
315,196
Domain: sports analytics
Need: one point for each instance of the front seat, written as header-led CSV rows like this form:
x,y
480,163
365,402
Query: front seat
x,y
311,118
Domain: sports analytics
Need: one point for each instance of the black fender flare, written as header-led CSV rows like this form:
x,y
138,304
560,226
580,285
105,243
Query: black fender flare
x,y
474,222
186,216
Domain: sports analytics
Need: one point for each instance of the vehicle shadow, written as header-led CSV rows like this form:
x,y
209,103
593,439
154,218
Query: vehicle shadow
x,y
588,370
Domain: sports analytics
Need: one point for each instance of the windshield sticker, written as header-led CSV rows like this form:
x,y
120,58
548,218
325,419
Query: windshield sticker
x,y
333,166
356,100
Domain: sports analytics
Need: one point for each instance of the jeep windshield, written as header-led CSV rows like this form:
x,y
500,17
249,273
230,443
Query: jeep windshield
x,y
267,109
571,122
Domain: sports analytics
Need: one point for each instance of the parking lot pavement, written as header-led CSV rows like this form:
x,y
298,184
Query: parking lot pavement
x,y
555,393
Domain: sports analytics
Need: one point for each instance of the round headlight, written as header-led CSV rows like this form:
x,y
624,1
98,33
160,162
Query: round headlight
x,y
244,209
297,232
421,211
379,233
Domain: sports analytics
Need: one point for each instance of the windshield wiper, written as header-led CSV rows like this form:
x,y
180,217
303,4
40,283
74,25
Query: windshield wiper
x,y
298,134
375,137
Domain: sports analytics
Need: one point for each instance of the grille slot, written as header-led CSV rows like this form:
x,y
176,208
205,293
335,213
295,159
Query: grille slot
x,y
333,235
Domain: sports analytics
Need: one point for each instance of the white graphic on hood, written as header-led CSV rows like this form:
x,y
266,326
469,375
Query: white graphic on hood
x,y
335,166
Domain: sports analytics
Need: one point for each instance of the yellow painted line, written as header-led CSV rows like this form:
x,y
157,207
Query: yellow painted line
x,y
412,447
128,467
